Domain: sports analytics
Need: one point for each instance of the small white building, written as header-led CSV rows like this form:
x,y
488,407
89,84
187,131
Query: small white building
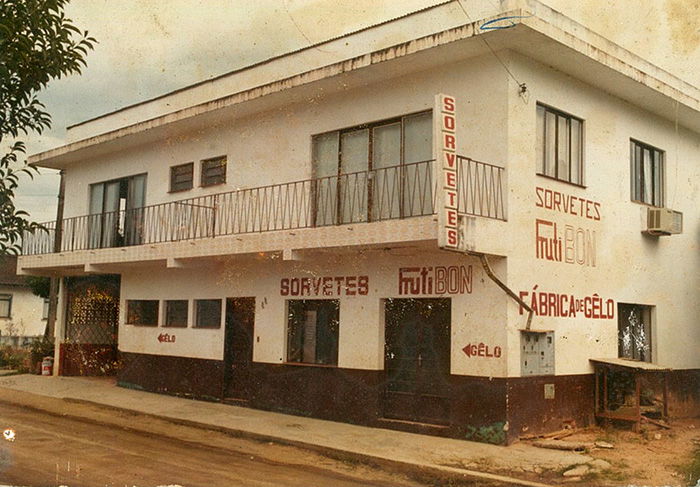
x,y
22,313
357,230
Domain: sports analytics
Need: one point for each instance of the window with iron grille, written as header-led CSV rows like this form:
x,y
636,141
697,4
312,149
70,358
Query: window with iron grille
x,y
213,171
181,177
647,169
176,313
634,331
312,331
207,313
5,305
142,312
559,145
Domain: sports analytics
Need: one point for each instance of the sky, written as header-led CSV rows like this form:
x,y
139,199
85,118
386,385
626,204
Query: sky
x,y
150,47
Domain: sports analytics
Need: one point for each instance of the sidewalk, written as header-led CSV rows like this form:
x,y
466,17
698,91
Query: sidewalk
x,y
446,457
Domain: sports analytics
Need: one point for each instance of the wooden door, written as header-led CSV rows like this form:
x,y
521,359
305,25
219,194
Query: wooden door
x,y
417,360
238,348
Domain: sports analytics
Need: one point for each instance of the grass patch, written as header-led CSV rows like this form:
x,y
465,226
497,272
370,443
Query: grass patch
x,y
691,470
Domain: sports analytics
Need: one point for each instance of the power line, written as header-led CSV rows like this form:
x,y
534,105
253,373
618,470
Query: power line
x,y
522,86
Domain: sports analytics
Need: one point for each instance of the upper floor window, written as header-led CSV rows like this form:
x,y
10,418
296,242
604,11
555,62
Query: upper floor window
x,y
181,177
5,305
647,169
559,145
374,171
213,171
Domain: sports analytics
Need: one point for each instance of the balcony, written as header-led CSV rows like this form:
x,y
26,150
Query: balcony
x,y
390,193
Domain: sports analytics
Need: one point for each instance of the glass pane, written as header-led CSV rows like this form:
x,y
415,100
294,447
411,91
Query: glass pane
x,y
658,181
540,140
637,173
576,153
418,137
312,332
386,181
176,313
208,313
325,153
136,200
647,177
94,223
142,312
110,218
354,147
550,155
418,147
563,147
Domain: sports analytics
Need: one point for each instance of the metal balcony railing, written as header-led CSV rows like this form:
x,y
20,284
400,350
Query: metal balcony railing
x,y
395,192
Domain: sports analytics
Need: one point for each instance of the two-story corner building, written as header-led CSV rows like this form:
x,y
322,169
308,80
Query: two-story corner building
x,y
431,224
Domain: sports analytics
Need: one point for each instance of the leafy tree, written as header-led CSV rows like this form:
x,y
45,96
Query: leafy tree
x,y
37,44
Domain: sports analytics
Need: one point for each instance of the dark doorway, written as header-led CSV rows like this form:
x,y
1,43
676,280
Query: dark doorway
x,y
238,348
92,324
417,360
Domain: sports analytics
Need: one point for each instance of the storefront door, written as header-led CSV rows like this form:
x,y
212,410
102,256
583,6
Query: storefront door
x,y
238,348
417,360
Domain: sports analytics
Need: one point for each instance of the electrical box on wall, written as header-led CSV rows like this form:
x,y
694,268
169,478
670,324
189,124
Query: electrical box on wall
x,y
536,352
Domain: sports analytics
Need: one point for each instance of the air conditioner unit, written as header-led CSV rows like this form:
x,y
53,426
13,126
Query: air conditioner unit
x,y
664,221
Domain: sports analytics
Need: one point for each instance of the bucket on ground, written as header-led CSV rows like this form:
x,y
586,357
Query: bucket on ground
x,y
47,366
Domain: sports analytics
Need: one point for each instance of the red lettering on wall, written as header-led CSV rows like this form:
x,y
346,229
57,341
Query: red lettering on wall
x,y
325,286
435,280
482,350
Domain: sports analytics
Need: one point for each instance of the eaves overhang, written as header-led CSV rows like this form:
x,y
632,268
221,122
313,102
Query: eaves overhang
x,y
535,31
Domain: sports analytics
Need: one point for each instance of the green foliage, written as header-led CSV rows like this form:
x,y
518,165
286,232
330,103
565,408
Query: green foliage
x,y
40,286
691,471
42,347
14,358
493,433
37,44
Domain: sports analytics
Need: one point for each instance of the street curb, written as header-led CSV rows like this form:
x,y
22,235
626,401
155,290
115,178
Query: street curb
x,y
421,472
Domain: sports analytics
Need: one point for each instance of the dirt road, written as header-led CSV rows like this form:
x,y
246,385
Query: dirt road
x,y
54,450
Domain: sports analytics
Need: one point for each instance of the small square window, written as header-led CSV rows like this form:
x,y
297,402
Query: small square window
x,y
312,331
142,312
559,145
647,168
5,305
208,313
181,177
213,171
176,313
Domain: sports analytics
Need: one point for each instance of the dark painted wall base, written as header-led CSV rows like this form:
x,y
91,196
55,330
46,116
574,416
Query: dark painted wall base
x,y
481,409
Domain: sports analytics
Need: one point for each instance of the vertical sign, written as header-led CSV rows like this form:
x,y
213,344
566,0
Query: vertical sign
x,y
445,147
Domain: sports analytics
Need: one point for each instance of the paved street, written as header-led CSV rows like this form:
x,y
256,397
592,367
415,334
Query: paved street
x,y
54,450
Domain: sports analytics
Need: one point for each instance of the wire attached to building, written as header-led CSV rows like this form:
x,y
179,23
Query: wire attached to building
x,y
522,87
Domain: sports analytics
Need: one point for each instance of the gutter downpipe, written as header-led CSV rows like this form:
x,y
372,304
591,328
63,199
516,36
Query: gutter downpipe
x,y
487,267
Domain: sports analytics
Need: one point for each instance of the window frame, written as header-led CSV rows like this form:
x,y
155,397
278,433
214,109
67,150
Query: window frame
x,y
223,163
45,309
189,167
7,297
129,315
634,196
542,148
167,315
196,310
335,340
647,313
370,127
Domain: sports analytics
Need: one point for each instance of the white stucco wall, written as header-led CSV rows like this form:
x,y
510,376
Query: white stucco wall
x,y
477,317
629,267
275,146
26,312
